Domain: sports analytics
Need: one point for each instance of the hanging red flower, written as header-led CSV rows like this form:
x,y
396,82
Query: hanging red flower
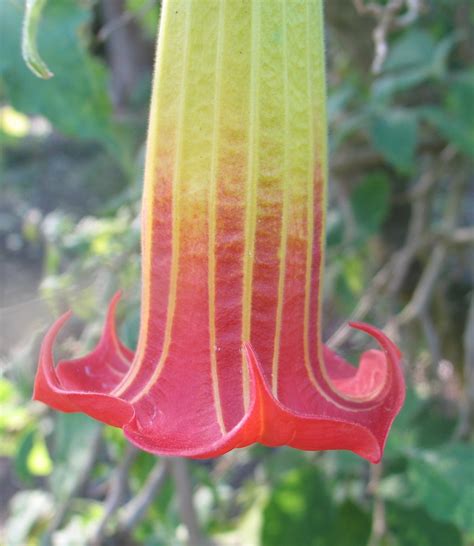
x,y
230,349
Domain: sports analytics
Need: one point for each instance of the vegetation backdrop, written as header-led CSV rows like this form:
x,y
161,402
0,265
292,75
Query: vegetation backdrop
x,y
399,254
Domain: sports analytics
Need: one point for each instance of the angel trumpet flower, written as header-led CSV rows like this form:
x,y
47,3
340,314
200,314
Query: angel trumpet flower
x,y
230,349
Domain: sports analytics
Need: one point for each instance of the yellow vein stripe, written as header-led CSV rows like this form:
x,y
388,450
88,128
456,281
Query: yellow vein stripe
x,y
322,165
310,214
176,215
147,211
284,225
213,219
251,191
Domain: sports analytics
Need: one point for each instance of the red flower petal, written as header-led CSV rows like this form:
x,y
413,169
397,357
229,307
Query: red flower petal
x,y
307,420
49,386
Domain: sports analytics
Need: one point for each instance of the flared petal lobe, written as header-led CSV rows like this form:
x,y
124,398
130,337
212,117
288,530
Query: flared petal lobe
x,y
230,349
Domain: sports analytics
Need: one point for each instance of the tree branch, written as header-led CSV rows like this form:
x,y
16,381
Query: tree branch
x,y
182,479
114,498
136,508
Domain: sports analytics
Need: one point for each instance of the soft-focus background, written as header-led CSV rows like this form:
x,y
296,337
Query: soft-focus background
x,y
400,255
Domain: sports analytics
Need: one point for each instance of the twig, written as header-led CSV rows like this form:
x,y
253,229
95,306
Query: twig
x,y
63,507
466,413
360,158
123,19
431,336
418,220
365,304
421,296
387,18
137,507
184,493
344,205
414,8
116,492
379,525
391,276
461,236
422,187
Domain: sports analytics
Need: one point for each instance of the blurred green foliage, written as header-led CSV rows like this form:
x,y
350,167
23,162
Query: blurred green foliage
x,y
76,246
75,100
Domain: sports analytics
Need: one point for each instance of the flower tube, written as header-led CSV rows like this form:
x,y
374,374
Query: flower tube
x,y
233,226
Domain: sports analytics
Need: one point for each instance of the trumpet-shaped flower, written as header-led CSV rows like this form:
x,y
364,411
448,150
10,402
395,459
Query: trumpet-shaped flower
x,y
230,349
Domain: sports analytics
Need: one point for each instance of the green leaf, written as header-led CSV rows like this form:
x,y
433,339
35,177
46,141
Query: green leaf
x,y
433,425
422,423
408,63
441,481
29,48
439,65
75,100
351,527
370,202
334,228
414,527
291,516
38,461
386,86
413,48
25,445
394,133
455,121
301,511
414,59
74,443
460,99
353,273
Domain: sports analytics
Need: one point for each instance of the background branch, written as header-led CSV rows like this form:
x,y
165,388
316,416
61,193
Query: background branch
x,y
184,492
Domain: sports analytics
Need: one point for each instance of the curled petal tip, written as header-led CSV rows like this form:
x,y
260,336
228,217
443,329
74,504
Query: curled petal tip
x,y
50,388
324,428
115,300
384,341
46,378
394,379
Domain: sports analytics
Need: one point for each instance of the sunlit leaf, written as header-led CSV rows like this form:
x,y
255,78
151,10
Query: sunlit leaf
x,y
39,462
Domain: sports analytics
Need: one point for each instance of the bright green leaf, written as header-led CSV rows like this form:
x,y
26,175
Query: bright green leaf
x,y
39,462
